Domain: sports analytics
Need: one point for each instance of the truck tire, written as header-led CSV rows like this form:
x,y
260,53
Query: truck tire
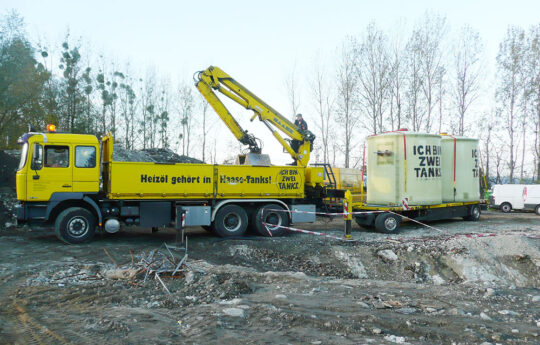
x,y
474,214
388,223
537,210
231,220
75,225
506,207
270,214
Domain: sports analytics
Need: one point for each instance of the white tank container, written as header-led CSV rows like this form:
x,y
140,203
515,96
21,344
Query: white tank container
x,y
460,169
404,169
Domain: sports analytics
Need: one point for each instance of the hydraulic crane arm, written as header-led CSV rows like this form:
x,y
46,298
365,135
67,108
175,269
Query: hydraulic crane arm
x,y
213,78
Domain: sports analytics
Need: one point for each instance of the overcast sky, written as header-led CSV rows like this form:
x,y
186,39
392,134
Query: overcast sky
x,y
256,42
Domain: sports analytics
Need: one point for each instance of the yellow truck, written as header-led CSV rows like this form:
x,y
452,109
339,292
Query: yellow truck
x,y
59,177
72,182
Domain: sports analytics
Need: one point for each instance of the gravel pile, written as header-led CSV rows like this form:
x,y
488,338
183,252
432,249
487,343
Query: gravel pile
x,y
157,155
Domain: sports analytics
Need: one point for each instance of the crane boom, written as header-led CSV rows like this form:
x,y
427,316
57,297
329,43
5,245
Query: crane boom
x,y
213,78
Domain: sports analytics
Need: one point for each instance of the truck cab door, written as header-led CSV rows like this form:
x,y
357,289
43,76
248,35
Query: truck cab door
x,y
50,171
86,170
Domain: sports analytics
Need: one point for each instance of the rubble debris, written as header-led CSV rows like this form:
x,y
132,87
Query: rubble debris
x,y
235,312
485,316
156,155
387,254
116,273
162,283
395,339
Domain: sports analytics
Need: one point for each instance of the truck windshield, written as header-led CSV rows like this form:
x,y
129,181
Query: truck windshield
x,y
24,153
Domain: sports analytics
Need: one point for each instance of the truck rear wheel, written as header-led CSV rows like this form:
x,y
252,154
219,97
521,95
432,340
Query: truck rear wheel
x,y
273,215
75,225
387,223
231,220
474,213
537,210
506,207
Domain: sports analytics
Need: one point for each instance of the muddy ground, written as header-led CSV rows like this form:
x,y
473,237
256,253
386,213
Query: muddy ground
x,y
421,286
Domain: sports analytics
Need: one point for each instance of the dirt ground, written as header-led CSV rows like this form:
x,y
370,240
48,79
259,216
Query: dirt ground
x,y
421,286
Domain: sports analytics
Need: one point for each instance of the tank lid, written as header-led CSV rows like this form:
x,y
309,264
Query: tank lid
x,y
459,138
405,133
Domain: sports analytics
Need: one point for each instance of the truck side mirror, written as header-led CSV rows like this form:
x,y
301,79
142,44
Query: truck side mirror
x,y
37,157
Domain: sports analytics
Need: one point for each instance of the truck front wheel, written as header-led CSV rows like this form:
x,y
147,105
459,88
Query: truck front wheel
x,y
75,225
231,220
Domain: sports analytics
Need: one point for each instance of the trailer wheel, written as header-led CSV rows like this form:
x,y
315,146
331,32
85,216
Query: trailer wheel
x,y
537,210
231,220
75,225
387,223
272,214
474,214
506,207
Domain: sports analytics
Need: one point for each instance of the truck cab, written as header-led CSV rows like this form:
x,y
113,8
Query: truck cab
x,y
56,168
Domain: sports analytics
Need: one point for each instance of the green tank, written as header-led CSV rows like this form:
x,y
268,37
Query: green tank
x,y
460,169
404,169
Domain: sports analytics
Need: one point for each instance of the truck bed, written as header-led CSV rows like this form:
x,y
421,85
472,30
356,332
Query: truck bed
x,y
140,180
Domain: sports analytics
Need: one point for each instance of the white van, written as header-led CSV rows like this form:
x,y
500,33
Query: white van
x,y
532,197
510,197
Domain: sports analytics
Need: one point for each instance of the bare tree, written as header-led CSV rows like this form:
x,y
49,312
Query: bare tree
x,y
147,91
533,64
186,104
346,100
441,92
115,79
467,69
415,111
509,63
203,106
488,124
372,66
323,101
428,37
293,94
163,110
499,153
397,81
127,99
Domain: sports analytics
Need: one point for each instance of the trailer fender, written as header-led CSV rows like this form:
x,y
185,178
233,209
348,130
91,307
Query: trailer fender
x,y
238,201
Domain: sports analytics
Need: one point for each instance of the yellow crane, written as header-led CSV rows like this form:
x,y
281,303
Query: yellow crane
x,y
213,78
